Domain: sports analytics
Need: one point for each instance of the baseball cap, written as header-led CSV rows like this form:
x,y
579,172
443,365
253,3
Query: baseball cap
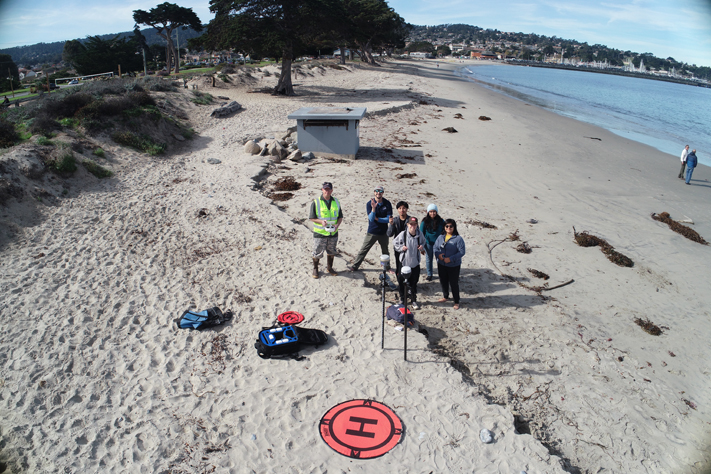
x,y
379,189
326,185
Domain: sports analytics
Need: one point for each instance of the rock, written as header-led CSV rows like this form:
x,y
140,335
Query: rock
x,y
307,156
449,129
178,137
292,148
227,110
252,147
289,140
283,143
486,436
294,156
223,97
275,149
214,161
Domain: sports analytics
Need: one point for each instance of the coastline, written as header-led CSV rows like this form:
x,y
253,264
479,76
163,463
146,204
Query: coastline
x,y
123,388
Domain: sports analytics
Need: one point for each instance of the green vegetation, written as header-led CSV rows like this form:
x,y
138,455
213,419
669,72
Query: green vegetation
x,y
64,164
99,152
44,141
69,122
139,142
97,170
7,64
201,98
17,91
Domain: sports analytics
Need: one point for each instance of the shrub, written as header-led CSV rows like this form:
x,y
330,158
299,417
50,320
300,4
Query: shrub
x,y
64,164
69,122
201,98
163,73
44,141
99,152
163,86
228,69
8,135
142,142
97,170
65,106
43,124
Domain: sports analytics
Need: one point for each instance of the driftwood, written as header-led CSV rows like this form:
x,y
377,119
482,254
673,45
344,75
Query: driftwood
x,y
226,111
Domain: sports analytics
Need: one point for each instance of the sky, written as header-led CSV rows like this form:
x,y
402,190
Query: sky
x,y
666,28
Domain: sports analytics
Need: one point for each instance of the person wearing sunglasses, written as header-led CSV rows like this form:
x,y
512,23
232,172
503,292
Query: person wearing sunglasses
x,y
449,250
379,211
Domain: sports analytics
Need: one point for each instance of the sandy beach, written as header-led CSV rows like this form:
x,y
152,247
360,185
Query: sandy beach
x,y
95,376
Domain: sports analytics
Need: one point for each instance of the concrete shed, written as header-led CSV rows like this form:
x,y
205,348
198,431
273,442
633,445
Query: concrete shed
x,y
329,130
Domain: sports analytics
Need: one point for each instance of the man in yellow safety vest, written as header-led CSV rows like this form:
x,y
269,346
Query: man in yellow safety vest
x,y
326,214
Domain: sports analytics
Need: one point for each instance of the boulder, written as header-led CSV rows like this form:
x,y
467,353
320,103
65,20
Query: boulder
x,y
275,149
307,156
214,161
252,147
289,131
294,156
226,111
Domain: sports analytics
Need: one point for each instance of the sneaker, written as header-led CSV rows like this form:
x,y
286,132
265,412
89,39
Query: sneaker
x,y
429,278
351,268
415,305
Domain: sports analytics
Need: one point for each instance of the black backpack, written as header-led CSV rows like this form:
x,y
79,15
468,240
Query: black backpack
x,y
287,340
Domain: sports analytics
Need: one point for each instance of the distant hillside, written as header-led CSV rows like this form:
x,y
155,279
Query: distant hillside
x,y
51,53
535,47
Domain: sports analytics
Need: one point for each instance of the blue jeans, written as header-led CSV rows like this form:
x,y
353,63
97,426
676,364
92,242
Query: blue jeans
x,y
429,250
689,172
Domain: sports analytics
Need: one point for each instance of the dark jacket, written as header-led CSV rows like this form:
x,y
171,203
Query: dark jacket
x,y
453,249
691,160
397,226
379,223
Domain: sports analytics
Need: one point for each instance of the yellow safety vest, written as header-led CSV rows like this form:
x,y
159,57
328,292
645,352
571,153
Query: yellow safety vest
x,y
330,215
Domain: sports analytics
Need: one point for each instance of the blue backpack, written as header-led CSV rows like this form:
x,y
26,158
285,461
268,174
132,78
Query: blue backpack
x,y
202,319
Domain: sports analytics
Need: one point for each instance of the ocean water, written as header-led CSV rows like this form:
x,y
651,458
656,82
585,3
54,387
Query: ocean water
x,y
664,115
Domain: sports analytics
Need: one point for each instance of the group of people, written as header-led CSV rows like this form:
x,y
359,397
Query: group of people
x,y
434,237
688,161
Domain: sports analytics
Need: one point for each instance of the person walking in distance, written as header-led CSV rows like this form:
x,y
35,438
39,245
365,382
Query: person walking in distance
x,y
449,250
691,163
397,225
379,211
432,226
684,154
327,215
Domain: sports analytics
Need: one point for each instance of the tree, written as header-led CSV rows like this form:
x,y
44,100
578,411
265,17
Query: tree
x,y
9,75
72,49
165,18
106,55
278,28
377,26
444,50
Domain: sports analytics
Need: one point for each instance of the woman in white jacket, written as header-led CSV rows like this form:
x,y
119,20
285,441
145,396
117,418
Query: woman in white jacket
x,y
411,243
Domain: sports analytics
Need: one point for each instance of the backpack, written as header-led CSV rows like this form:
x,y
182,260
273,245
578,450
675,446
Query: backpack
x,y
202,319
396,312
287,340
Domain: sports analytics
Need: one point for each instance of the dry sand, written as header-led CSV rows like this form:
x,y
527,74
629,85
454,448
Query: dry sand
x,y
95,377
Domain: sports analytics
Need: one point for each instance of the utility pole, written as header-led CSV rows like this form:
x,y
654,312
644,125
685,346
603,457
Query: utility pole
x,y
9,74
145,68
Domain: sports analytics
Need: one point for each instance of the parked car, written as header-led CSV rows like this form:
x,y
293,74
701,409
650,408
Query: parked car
x,y
73,82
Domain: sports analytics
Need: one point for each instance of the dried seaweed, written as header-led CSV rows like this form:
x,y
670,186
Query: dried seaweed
x,y
203,212
514,236
523,247
287,183
458,116
405,175
281,196
687,232
449,130
482,224
648,326
538,274
587,240
484,118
